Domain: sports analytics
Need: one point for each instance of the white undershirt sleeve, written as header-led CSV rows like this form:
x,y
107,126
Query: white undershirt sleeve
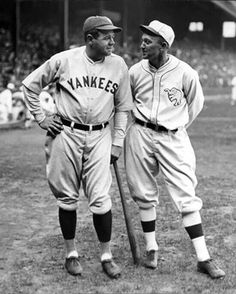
x,y
120,124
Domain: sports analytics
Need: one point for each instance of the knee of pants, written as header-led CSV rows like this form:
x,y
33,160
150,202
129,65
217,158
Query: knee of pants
x,y
191,205
67,200
67,206
101,207
144,203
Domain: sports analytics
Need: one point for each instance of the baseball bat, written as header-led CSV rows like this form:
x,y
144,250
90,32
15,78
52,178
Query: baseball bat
x,y
134,246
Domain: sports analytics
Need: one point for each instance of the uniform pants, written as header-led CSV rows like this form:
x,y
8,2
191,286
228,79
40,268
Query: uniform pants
x,y
75,157
148,152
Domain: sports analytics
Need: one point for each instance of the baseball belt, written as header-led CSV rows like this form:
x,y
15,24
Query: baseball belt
x,y
83,127
154,127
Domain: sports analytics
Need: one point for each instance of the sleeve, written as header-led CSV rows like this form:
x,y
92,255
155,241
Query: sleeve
x,y
120,125
35,82
47,73
123,105
194,95
131,77
33,104
123,98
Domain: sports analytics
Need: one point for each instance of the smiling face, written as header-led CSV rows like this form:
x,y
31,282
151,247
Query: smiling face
x,y
151,47
102,45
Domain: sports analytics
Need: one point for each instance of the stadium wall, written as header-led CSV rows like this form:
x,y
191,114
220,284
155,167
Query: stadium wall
x,y
177,13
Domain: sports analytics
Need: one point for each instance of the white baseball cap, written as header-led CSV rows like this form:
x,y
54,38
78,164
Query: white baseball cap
x,y
160,29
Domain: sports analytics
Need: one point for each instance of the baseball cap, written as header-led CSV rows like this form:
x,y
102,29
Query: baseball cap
x,y
160,29
100,23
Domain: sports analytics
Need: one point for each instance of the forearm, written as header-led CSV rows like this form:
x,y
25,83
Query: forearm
x,y
33,104
194,110
120,125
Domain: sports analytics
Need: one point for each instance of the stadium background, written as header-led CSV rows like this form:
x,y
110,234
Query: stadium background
x,y
31,31
32,253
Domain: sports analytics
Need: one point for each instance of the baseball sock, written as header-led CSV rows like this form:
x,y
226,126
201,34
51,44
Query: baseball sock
x,y
103,226
148,222
193,226
67,220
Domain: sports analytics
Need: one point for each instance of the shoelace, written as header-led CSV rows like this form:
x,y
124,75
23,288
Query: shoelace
x,y
213,264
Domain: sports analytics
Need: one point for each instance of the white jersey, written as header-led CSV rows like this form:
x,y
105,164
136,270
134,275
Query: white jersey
x,y
86,91
6,100
170,96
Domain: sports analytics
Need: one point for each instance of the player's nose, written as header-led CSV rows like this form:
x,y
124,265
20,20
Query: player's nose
x,y
111,41
142,45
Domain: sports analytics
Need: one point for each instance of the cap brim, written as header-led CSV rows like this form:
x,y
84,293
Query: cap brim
x,y
109,28
148,30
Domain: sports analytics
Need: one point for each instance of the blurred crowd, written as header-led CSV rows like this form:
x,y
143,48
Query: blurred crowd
x,y
13,107
216,68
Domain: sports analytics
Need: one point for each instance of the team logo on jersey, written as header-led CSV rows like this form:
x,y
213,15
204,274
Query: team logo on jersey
x,y
174,95
93,82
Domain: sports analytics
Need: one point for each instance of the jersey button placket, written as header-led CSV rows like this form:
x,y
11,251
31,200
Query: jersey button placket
x,y
89,110
92,73
155,98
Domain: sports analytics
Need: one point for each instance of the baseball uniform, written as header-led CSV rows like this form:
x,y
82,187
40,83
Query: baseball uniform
x,y
168,99
87,93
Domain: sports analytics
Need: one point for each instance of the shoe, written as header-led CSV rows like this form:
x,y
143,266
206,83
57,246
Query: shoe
x,y
111,268
151,259
209,267
73,266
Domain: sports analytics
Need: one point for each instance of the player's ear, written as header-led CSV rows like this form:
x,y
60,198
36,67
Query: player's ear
x,y
89,38
164,45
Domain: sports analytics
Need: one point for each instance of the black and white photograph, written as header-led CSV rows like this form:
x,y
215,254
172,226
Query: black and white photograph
x,y
117,146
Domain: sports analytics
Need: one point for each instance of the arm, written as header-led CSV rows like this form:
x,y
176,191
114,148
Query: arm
x,y
120,123
194,95
50,123
32,86
33,104
123,105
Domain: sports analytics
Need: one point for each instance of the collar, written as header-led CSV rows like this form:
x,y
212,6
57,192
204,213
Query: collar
x,y
90,60
171,63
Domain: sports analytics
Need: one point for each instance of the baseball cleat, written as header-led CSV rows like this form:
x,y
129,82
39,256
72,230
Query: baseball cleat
x,y
209,267
111,268
151,259
73,266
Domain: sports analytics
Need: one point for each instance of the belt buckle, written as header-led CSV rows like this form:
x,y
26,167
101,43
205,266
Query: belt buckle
x,y
72,126
145,124
90,129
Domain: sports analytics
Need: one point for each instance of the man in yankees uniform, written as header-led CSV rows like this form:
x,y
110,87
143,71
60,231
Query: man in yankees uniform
x,y
168,97
92,86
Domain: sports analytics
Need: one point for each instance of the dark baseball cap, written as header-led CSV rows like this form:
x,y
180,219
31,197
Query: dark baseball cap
x,y
100,23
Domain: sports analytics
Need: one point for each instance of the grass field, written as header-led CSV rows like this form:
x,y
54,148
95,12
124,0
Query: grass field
x,y
32,255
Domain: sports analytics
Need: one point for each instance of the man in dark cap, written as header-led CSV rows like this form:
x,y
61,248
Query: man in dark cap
x,y
92,87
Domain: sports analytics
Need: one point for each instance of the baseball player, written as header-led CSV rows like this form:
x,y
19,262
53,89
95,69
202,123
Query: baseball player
x,y
6,103
92,87
168,97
